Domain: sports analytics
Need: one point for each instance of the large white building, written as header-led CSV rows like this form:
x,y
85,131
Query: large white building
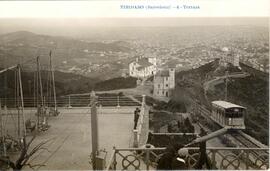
x,y
143,67
164,82
229,57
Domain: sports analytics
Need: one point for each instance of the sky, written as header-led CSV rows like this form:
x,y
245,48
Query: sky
x,y
111,8
54,17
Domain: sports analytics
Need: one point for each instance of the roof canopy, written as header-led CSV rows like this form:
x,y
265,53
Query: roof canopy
x,y
143,62
226,105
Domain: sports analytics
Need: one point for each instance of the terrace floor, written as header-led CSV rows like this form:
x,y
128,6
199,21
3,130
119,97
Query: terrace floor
x,y
70,137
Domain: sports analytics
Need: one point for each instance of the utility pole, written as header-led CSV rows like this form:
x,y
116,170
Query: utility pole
x,y
21,96
52,76
2,131
17,95
226,86
34,92
39,88
40,81
94,129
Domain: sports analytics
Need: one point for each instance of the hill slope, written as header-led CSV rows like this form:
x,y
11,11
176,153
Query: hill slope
x,y
69,55
250,91
65,83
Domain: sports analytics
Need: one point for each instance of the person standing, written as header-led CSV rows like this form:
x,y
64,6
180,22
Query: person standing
x,y
136,117
168,160
179,161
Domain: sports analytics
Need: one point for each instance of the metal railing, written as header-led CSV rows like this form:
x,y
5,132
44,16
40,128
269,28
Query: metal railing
x,y
74,101
220,158
138,131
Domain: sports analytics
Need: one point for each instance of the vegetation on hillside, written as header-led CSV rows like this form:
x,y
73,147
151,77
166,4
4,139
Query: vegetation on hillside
x,y
65,83
251,92
116,83
171,106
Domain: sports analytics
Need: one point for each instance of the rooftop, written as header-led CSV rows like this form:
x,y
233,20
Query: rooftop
x,y
226,105
143,62
163,73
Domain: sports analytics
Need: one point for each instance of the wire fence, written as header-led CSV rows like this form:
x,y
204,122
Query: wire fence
x,y
74,101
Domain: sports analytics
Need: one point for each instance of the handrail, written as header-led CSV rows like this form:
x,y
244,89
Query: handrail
x,y
76,101
173,133
212,151
189,148
140,123
111,160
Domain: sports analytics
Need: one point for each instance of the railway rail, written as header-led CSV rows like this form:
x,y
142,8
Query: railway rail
x,y
248,143
237,135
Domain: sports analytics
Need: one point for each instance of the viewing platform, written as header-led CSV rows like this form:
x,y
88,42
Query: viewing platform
x,y
69,145
69,135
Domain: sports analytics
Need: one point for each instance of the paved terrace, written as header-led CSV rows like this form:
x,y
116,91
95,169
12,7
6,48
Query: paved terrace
x,y
70,134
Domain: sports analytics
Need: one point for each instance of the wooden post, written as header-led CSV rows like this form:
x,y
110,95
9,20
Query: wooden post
x,y
2,131
118,103
94,129
1,116
69,105
147,156
22,102
226,86
40,82
114,159
135,141
21,96
143,100
53,83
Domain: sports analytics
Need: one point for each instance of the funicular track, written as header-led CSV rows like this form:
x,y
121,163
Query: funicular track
x,y
238,135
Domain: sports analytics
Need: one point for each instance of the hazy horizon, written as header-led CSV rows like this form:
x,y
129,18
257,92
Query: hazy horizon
x,y
78,27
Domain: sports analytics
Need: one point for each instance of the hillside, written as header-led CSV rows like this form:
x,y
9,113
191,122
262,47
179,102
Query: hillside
x,y
29,39
250,91
116,83
84,57
65,83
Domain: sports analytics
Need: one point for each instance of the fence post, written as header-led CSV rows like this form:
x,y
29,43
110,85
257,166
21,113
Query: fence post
x,y
69,105
118,103
94,128
2,131
135,141
143,100
114,159
147,156
247,160
213,158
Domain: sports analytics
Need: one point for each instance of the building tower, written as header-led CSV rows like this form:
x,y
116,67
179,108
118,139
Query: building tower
x,y
171,77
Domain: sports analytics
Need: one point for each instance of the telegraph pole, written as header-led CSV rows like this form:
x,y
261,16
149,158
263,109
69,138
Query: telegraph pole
x,y
40,81
39,88
2,131
52,76
226,86
94,129
21,96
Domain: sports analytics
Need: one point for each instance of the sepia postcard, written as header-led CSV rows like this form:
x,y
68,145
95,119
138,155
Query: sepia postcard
x,y
134,85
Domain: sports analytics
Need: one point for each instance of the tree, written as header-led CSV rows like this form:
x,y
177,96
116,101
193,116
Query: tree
x,y
26,152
